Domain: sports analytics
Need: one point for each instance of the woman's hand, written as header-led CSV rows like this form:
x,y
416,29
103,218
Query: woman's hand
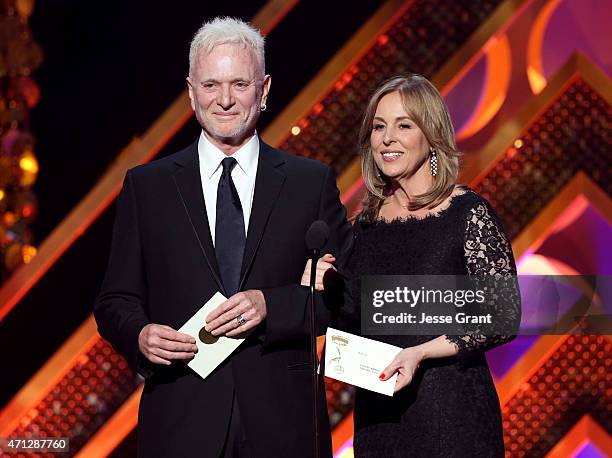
x,y
405,364
324,264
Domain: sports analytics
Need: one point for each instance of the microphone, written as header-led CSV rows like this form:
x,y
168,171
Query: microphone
x,y
317,235
316,238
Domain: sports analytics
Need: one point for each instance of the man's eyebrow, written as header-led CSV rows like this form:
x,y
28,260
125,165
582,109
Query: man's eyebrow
x,y
235,80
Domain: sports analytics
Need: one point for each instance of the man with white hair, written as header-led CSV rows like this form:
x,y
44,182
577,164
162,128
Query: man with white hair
x,y
229,213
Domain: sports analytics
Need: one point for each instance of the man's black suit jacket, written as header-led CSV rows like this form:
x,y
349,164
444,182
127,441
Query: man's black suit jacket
x,y
162,269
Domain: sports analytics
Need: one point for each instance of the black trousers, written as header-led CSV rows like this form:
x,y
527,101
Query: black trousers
x,y
236,445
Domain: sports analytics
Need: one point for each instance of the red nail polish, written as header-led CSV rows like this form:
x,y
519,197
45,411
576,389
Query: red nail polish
x,y
381,376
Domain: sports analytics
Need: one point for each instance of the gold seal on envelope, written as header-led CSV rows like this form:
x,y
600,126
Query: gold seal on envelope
x,y
206,337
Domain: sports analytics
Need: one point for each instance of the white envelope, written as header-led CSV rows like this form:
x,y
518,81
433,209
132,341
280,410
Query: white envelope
x,y
359,361
213,353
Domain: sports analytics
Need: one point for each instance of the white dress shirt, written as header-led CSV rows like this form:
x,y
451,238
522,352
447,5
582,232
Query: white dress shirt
x,y
243,175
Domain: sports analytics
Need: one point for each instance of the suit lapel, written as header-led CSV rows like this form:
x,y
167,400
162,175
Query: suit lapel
x,y
189,187
268,184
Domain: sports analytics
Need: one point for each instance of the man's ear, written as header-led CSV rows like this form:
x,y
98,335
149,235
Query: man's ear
x,y
267,82
190,89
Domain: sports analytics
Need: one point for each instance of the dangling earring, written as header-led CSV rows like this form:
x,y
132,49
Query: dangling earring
x,y
263,107
433,161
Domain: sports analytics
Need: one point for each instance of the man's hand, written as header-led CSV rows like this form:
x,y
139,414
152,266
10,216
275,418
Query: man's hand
x,y
224,320
325,267
161,344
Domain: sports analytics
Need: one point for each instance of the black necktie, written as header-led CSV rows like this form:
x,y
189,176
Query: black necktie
x,y
229,229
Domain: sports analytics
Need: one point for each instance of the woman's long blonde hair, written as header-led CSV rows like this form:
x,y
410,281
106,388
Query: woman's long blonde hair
x,y
426,108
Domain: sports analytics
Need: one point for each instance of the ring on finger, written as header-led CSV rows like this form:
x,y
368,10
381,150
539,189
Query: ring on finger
x,y
241,320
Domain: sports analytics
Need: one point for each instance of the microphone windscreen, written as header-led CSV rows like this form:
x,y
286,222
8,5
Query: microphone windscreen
x,y
317,235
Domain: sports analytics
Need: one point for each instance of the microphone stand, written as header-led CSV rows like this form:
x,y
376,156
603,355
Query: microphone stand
x,y
316,238
313,347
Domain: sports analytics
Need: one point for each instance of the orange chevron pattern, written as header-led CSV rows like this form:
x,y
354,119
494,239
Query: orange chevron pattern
x,y
572,382
584,432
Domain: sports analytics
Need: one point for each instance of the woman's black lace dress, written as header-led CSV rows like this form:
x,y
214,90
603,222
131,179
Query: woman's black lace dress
x,y
451,408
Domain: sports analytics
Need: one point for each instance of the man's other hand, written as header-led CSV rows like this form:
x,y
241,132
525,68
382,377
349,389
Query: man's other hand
x,y
161,344
324,271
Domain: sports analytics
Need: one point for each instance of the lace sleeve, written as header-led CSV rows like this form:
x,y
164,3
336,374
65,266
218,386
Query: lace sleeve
x,y
487,252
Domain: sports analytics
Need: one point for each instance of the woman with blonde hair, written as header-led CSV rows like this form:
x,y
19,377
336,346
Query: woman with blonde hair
x,y
416,220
